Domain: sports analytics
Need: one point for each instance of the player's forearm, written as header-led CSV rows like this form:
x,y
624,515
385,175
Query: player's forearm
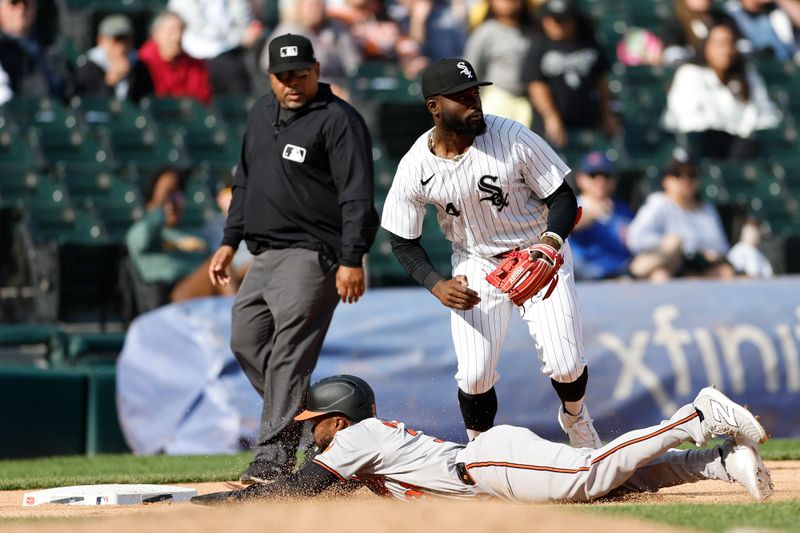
x,y
359,226
562,210
307,482
415,261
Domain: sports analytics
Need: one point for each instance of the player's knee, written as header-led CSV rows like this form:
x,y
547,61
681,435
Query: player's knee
x,y
477,383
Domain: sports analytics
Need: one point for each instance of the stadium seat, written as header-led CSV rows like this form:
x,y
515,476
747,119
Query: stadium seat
x,y
40,344
107,110
384,81
211,145
72,145
186,113
146,146
17,185
44,113
18,151
233,109
788,170
48,194
781,142
94,347
118,219
64,224
101,190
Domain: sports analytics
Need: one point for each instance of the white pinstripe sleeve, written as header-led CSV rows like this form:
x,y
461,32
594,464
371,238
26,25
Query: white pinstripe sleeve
x,y
542,168
404,209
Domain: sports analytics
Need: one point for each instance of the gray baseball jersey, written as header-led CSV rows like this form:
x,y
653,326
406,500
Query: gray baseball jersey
x,y
489,201
515,464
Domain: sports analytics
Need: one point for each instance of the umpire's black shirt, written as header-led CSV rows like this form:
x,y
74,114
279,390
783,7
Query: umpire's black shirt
x,y
305,179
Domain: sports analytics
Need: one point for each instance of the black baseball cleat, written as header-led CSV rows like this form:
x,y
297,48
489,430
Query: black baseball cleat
x,y
252,492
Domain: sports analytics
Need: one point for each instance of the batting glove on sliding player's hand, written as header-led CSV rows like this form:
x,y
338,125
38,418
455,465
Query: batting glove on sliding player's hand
x,y
523,273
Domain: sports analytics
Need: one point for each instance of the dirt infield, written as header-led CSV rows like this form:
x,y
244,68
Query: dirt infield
x,y
364,512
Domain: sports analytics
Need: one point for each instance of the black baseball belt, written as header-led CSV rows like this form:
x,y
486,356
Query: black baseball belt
x,y
464,475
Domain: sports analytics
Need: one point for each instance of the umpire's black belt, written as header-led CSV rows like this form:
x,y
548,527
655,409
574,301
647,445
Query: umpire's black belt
x,y
464,475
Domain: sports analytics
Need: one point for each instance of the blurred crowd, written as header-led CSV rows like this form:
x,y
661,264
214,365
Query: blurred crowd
x,y
543,56
549,68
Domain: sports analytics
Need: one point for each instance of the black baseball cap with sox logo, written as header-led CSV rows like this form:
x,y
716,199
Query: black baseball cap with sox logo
x,y
449,76
290,52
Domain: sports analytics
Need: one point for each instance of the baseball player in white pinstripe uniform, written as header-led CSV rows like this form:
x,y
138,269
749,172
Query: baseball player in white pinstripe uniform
x,y
512,463
496,186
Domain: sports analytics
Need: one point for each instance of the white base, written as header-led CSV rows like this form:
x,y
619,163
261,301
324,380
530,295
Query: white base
x,y
120,494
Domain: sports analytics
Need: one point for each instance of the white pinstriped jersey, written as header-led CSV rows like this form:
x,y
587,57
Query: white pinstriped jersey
x,y
395,460
489,200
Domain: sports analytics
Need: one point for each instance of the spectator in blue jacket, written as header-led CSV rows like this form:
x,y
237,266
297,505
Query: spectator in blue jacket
x,y
598,242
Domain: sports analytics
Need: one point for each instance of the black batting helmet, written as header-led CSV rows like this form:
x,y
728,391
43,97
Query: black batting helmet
x,y
350,396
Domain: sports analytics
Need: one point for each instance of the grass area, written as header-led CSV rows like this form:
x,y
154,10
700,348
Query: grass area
x,y
80,470
780,516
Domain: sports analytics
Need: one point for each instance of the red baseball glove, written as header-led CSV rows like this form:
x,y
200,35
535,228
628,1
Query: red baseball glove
x,y
521,277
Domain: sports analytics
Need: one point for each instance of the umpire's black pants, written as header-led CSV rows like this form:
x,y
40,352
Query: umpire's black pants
x,y
280,317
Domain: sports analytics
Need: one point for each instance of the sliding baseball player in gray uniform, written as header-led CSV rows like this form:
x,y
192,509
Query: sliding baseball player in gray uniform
x,y
513,463
497,186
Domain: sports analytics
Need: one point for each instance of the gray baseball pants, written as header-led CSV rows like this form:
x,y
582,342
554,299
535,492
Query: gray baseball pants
x,y
514,463
279,320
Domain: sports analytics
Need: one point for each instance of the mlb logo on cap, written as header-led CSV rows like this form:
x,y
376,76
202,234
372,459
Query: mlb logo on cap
x,y
288,51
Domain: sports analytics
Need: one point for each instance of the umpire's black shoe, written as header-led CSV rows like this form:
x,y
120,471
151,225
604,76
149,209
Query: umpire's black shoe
x,y
261,471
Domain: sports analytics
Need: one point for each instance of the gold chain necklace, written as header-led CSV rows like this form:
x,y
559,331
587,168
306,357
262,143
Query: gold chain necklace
x,y
430,147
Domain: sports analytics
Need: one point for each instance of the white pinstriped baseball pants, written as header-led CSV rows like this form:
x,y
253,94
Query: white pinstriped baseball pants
x,y
478,334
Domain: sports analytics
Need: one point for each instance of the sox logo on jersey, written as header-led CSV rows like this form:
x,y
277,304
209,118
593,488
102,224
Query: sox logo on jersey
x,y
489,202
495,193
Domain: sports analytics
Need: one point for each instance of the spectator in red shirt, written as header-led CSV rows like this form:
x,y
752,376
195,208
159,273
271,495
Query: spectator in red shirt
x,y
175,74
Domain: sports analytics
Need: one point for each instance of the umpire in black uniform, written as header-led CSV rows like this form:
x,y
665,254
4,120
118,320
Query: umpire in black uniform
x,y
303,201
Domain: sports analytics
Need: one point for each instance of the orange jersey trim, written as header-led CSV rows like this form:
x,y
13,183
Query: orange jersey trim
x,y
329,469
596,460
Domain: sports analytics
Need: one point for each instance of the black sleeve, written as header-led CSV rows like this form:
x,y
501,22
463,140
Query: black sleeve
x,y
562,209
234,226
307,482
349,148
359,226
415,260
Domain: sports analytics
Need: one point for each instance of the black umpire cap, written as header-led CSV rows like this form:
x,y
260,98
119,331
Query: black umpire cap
x,y
449,76
290,52
350,396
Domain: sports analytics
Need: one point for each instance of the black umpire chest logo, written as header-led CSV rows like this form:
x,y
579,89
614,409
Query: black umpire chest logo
x,y
294,153
495,193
